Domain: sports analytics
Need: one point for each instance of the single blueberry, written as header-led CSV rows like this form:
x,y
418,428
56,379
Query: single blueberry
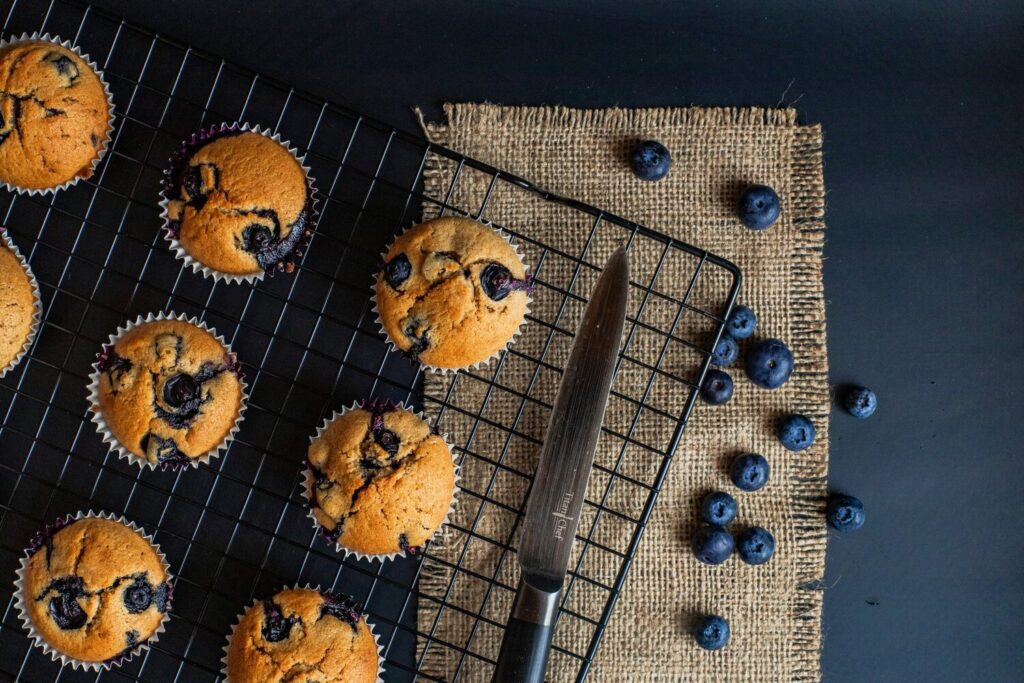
x,y
275,627
845,513
341,607
749,472
256,237
64,608
717,387
497,281
718,508
769,363
397,270
741,322
179,390
759,207
712,632
650,160
63,64
726,352
388,440
755,545
137,596
712,544
796,432
860,402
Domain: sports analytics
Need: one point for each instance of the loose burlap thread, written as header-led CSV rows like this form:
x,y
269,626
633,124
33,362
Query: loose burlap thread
x,y
775,609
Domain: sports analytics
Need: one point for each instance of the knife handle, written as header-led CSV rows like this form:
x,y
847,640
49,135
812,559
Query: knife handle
x,y
527,640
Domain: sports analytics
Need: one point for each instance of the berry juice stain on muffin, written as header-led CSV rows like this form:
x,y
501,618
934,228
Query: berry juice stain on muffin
x,y
239,202
54,115
452,292
380,480
301,634
94,588
169,392
17,306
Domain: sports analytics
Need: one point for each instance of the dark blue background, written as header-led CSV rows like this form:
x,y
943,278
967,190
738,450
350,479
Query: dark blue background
x,y
922,107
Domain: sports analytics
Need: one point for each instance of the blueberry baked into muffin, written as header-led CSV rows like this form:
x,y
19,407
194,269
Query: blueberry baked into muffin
x,y
451,293
300,635
379,481
239,203
167,392
19,305
55,115
93,589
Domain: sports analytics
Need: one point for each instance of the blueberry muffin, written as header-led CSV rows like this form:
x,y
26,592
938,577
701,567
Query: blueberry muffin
x,y
239,203
18,306
301,635
93,589
379,480
168,392
452,292
54,115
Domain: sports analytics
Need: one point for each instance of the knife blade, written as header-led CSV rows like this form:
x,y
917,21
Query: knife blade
x,y
560,482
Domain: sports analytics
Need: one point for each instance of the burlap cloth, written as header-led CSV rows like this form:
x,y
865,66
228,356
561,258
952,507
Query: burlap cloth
x,y
775,609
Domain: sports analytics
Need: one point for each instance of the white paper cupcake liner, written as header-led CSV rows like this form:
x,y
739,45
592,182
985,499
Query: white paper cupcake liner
x,y
318,589
37,303
306,486
37,37
41,643
97,414
473,366
188,147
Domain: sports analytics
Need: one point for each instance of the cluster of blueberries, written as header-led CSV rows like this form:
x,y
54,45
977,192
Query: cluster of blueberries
x,y
768,364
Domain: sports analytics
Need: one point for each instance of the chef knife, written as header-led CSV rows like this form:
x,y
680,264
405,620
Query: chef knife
x,y
560,482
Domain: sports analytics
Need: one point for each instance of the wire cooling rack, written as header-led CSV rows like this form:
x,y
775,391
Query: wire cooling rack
x,y
236,530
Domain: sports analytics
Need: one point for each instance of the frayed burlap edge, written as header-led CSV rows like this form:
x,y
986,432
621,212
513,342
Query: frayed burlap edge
x,y
807,206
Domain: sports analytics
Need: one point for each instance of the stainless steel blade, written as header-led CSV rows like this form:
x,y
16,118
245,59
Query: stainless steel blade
x,y
567,455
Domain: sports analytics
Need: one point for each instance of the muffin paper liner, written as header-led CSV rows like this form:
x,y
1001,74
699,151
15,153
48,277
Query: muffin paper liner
x,y
433,368
188,148
37,37
37,304
306,487
318,589
40,641
101,423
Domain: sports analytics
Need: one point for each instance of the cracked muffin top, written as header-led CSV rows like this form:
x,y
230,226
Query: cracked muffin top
x,y
239,203
380,480
169,392
302,635
452,292
94,589
17,306
54,115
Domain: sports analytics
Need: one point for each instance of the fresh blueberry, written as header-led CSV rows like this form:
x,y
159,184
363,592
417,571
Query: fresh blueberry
x,y
64,608
769,363
796,432
749,472
179,390
651,160
741,322
718,508
759,207
845,513
137,595
717,387
712,632
712,544
726,352
497,281
860,402
397,270
755,545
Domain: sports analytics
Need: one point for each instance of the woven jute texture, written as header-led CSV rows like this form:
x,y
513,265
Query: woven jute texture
x,y
774,609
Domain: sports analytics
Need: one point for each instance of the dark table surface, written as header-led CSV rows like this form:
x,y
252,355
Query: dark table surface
x,y
924,167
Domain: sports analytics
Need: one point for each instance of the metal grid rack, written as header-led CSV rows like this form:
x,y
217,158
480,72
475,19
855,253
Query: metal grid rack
x,y
237,529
